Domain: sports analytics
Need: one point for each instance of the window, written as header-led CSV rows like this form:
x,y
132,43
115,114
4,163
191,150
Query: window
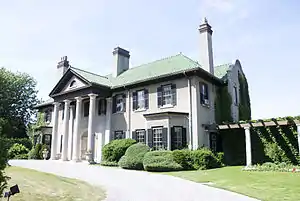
x,y
119,135
140,99
48,116
47,139
177,136
204,94
102,106
86,108
166,95
119,103
140,136
73,84
235,95
157,139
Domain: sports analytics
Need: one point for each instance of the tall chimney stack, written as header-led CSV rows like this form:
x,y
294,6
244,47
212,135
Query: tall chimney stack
x,y
206,50
121,61
63,65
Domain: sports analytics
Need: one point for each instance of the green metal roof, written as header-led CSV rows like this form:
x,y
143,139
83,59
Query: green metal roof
x,y
221,70
92,77
167,66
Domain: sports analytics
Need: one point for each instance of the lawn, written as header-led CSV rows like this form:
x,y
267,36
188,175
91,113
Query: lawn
x,y
41,186
260,185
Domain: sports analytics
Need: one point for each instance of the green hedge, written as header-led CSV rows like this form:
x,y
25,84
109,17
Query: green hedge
x,y
204,158
184,158
134,156
35,152
24,141
114,150
17,151
160,161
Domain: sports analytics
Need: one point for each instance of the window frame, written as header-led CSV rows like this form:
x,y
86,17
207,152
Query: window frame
x,y
179,139
119,97
138,100
235,91
170,95
157,145
137,133
117,133
204,93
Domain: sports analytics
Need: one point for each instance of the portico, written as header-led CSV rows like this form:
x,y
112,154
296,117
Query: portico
x,y
72,124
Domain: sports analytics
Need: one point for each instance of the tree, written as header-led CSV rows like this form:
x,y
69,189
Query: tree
x,y
3,163
18,96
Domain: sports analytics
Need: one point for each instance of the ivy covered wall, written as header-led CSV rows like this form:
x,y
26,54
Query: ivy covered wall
x,y
244,103
269,144
223,103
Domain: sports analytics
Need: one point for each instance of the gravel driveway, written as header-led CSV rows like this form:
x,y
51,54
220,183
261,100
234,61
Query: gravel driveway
x,y
126,185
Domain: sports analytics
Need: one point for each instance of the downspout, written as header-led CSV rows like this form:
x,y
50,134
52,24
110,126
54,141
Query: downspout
x,y
128,114
190,111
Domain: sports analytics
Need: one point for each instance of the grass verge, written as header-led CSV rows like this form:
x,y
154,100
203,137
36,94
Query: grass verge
x,y
39,186
269,186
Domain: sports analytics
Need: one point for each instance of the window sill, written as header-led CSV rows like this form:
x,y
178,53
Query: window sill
x,y
205,105
166,106
121,112
140,110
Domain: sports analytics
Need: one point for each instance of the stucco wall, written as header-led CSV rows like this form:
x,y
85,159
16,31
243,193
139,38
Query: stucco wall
x,y
233,80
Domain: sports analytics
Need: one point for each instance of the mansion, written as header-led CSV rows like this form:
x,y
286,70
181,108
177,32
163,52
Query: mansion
x,y
167,104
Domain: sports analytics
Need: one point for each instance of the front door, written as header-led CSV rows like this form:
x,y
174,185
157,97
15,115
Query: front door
x,y
215,142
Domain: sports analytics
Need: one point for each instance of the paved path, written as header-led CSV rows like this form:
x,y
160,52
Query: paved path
x,y
126,185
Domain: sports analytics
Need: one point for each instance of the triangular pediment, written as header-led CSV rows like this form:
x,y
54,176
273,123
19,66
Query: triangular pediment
x,y
69,82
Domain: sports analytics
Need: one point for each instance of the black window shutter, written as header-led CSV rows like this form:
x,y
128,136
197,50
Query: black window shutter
x,y
184,140
146,98
99,106
159,96
201,93
134,100
172,138
104,105
133,135
150,138
165,138
124,102
114,106
206,91
174,95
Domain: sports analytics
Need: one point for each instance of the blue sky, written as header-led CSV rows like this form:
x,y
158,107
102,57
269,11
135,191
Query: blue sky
x,y
263,35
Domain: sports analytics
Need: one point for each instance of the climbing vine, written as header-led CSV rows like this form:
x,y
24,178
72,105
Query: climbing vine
x,y
33,129
244,105
223,103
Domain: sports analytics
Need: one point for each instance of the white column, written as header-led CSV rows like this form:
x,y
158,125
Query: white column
x,y
108,120
298,130
91,133
128,111
248,147
190,130
76,135
54,131
195,107
71,123
64,156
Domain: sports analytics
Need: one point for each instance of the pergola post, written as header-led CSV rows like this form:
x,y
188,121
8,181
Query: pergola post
x,y
248,147
298,131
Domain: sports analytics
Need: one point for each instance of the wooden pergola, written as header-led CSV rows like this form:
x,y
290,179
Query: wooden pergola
x,y
258,123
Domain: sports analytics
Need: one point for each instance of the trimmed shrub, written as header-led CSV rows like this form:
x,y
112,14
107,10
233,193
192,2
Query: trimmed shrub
x,y
114,150
184,158
160,161
204,158
108,163
133,158
34,153
24,141
16,150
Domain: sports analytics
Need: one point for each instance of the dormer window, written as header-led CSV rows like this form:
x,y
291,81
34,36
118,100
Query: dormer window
x,y
73,84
